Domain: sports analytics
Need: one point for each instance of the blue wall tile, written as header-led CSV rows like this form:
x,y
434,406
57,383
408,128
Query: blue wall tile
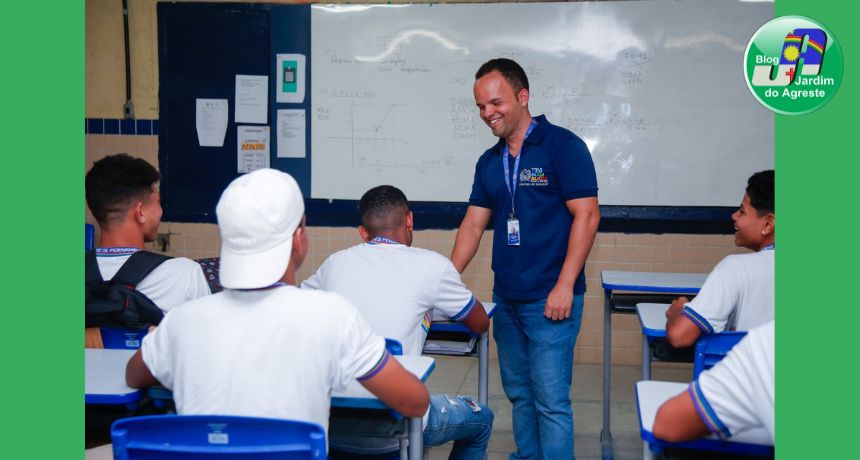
x,y
111,126
144,127
95,126
127,126
155,127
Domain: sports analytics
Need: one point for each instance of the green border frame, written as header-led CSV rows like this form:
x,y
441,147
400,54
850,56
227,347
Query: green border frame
x,y
817,166
43,190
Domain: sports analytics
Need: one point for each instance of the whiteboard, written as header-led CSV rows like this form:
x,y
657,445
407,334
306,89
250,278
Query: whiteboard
x,y
654,88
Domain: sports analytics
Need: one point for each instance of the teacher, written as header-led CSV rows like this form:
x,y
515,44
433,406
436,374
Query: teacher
x,y
539,186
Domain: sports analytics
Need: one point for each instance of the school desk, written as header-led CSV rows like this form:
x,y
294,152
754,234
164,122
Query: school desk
x,y
650,395
441,323
646,284
105,384
652,318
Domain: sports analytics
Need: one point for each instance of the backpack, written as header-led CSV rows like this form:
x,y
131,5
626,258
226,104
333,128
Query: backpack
x,y
116,302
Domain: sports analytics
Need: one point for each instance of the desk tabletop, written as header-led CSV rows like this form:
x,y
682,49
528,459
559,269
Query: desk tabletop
x,y
681,283
105,377
650,395
355,395
489,307
652,318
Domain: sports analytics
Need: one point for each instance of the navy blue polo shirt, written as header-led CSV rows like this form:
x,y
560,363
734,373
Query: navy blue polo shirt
x,y
555,166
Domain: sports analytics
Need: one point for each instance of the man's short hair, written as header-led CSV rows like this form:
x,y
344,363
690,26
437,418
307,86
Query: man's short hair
x,y
513,73
116,182
760,188
382,208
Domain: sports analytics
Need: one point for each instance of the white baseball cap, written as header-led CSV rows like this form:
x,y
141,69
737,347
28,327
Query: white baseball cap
x,y
257,216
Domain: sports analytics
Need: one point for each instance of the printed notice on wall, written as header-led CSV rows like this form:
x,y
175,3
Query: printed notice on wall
x,y
211,122
252,101
253,151
291,134
290,81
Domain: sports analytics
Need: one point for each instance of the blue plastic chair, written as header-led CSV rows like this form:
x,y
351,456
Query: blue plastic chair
x,y
216,436
89,235
711,348
122,339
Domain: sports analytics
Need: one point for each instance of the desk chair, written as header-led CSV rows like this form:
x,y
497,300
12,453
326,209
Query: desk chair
x,y
711,348
89,237
216,436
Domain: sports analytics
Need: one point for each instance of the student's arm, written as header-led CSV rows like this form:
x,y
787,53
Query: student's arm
x,y
586,217
477,321
680,331
137,375
677,420
399,390
469,236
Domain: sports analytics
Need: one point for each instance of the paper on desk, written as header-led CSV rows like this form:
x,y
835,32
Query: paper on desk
x,y
291,133
252,101
211,121
449,347
253,148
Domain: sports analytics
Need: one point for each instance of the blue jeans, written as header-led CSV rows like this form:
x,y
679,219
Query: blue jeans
x,y
452,419
536,363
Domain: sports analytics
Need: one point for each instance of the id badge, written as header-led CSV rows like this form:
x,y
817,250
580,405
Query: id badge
x,y
513,232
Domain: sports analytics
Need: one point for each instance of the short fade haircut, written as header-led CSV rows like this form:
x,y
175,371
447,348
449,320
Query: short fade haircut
x,y
382,208
760,188
116,182
513,73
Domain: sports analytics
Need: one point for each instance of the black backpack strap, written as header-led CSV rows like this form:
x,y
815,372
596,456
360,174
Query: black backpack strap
x,y
138,266
92,272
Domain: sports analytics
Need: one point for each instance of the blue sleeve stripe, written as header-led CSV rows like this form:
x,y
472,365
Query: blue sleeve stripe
x,y
383,360
466,311
706,412
698,320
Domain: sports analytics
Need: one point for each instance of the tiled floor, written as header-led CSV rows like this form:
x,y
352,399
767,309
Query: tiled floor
x,y
455,375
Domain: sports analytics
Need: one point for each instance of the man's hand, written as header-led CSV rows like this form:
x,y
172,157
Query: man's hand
x,y
676,307
559,303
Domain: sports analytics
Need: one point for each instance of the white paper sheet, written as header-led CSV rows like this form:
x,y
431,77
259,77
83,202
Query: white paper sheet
x,y
252,101
253,148
291,133
211,122
290,80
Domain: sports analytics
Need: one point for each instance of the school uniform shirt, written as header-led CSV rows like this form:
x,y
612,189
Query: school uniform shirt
x,y
169,285
395,287
555,167
277,352
737,295
737,393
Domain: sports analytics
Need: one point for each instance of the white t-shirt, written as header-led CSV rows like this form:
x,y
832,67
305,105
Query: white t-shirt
x,y
171,284
737,393
737,295
276,353
396,287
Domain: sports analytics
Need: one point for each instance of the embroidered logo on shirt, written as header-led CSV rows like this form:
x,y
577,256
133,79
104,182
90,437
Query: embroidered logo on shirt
x,y
533,177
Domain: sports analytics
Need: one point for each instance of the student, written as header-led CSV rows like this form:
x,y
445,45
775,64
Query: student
x,y
733,396
396,287
738,293
262,347
122,193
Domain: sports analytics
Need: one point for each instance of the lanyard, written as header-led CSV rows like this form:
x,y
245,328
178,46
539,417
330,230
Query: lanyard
x,y
768,247
382,240
118,251
512,186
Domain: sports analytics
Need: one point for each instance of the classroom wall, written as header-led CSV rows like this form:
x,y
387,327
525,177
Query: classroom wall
x,y
105,96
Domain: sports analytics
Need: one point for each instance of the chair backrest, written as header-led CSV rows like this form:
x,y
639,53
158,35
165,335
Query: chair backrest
x,y
711,348
394,346
120,338
89,235
216,436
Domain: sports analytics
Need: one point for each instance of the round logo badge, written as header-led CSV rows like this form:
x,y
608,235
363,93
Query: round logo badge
x,y
793,65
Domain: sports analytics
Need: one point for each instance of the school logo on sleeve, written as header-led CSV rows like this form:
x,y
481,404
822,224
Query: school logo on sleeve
x,y
533,177
793,65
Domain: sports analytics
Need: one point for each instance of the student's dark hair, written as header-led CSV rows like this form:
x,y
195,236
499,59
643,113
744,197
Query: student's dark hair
x,y
760,188
513,73
382,208
116,182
